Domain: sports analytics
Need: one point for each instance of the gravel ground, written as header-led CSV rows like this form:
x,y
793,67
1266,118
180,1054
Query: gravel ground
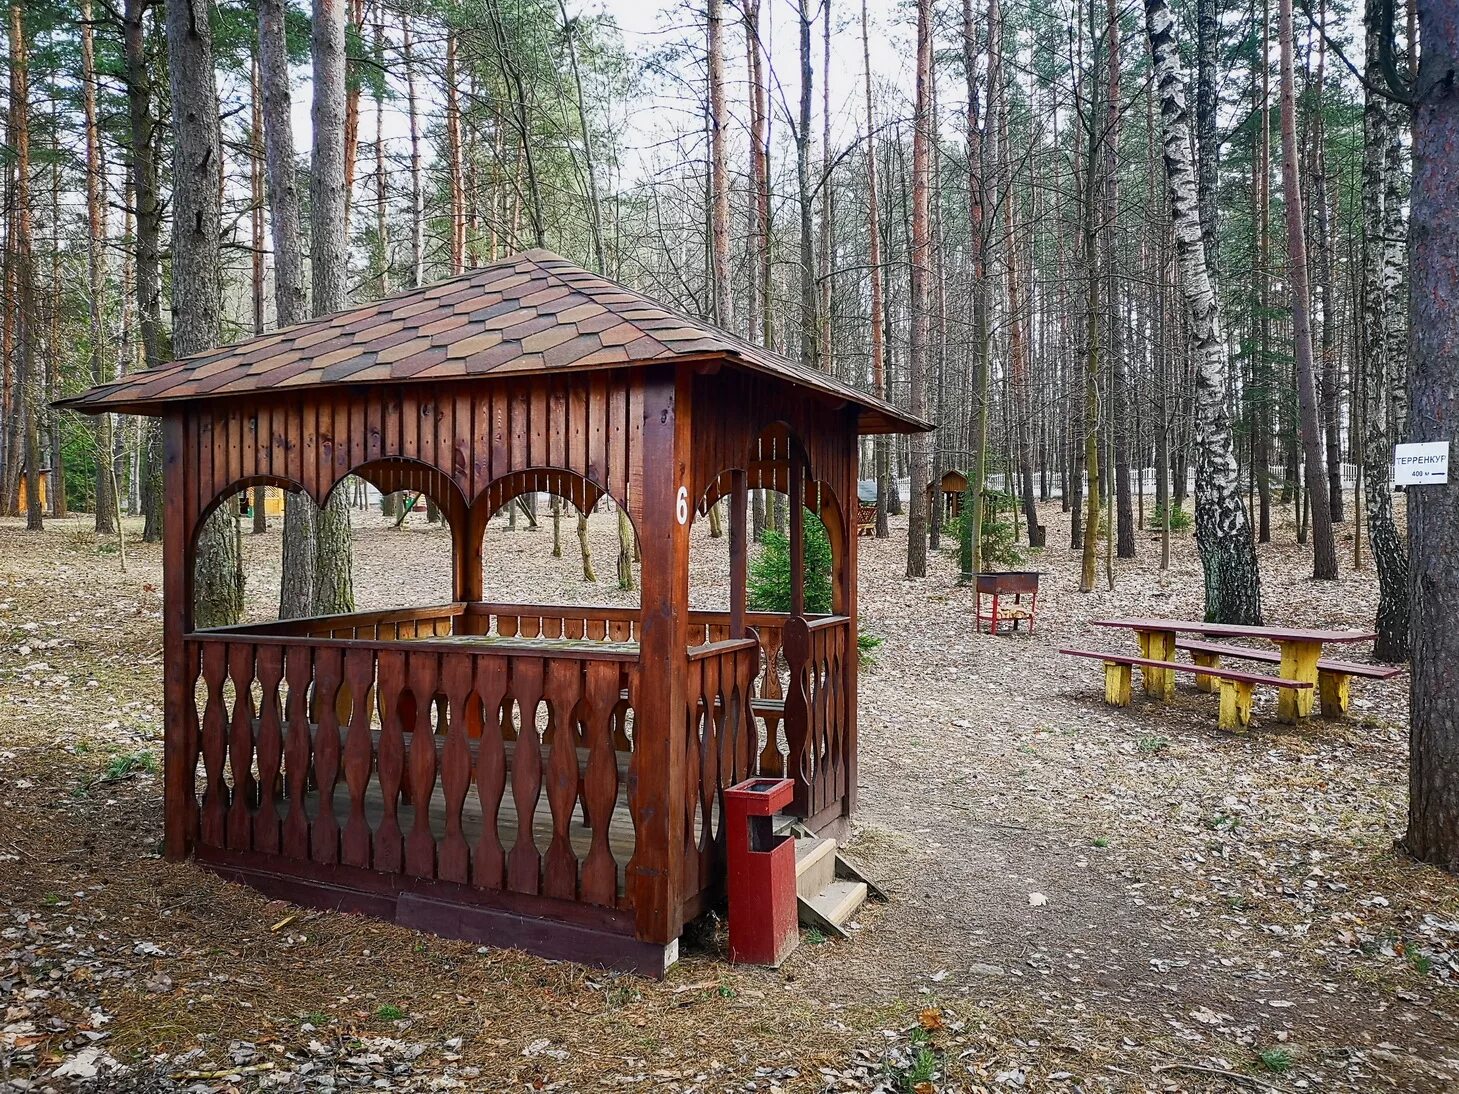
x,y
1081,897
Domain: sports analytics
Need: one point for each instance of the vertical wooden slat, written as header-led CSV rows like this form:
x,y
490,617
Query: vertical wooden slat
x,y
524,862
214,816
324,832
600,781
563,690
456,678
491,689
270,661
299,671
181,664
422,673
359,672
390,758
240,746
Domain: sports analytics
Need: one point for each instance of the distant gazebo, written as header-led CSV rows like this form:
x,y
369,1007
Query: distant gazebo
x,y
548,778
950,489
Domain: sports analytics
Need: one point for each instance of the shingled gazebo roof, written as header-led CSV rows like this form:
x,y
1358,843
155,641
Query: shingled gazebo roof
x,y
534,312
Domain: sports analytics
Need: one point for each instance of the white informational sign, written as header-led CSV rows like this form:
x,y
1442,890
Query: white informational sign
x,y
1423,464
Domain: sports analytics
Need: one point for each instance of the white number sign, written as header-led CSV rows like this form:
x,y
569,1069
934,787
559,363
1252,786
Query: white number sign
x,y
681,505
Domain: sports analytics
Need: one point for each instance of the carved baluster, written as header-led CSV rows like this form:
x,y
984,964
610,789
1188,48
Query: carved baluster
x,y
491,767
299,671
694,728
456,679
708,789
359,670
524,864
324,835
635,793
420,844
563,690
600,782
270,750
240,747
214,817
798,710
397,711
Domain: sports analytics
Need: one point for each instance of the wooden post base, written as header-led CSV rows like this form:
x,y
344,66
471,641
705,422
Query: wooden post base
x,y
1333,692
1299,662
1117,683
1159,646
1206,660
1235,705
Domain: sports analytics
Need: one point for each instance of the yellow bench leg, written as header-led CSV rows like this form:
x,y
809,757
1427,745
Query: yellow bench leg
x,y
1235,705
1333,693
1209,661
1299,662
1116,684
1158,646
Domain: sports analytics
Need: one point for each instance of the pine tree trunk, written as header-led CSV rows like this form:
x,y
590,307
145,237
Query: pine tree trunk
x,y
197,273
329,268
143,133
1433,511
921,259
27,369
101,370
1324,552
1223,530
880,452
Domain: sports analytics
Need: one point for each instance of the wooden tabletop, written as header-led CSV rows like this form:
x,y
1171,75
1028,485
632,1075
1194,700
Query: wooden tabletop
x,y
1237,630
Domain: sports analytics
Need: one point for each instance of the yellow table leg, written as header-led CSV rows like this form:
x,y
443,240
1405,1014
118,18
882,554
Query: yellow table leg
x,y
1333,693
1299,662
1210,661
1158,646
1116,684
1235,705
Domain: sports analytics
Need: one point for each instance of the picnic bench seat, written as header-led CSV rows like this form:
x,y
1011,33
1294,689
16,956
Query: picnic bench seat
x,y
1236,686
1333,677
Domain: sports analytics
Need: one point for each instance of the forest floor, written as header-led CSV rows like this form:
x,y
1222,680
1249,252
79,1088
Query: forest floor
x,y
1082,898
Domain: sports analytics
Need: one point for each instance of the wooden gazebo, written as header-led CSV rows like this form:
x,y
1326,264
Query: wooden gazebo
x,y
377,761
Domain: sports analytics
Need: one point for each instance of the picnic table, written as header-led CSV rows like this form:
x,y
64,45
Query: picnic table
x,y
1301,649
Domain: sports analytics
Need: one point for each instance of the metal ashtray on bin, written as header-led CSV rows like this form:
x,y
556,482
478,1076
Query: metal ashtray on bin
x,y
760,873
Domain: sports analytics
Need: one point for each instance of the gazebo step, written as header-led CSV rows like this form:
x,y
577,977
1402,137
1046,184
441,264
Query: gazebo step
x,y
835,906
815,866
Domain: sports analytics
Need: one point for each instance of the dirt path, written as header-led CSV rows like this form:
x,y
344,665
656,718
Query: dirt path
x,y
1206,898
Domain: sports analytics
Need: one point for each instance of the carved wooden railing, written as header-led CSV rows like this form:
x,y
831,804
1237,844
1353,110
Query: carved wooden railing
x,y
411,758
719,750
595,623
819,723
383,626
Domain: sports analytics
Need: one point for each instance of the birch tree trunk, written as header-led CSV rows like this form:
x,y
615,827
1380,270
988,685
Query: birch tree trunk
x,y
328,267
1324,552
1223,530
1381,370
921,290
1433,511
197,287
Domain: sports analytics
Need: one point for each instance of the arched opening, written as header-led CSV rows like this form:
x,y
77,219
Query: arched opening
x,y
554,537
399,558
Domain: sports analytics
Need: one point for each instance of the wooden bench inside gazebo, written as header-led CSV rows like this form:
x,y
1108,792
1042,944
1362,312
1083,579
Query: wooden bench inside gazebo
x,y
547,778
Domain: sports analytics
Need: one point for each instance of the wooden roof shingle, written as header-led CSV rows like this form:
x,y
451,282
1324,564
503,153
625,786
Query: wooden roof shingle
x,y
533,312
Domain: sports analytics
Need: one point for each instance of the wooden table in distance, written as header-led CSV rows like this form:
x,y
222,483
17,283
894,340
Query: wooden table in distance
x,y
1301,650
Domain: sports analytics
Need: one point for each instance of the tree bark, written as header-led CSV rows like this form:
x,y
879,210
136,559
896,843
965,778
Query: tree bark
x,y
1381,370
1433,511
1324,552
197,287
329,267
881,455
921,289
101,369
1223,529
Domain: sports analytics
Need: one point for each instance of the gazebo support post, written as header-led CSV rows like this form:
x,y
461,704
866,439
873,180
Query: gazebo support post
x,y
655,876
177,598
797,531
738,551
467,533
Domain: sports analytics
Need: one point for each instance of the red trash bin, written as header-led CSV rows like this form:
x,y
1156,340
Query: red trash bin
x,y
760,873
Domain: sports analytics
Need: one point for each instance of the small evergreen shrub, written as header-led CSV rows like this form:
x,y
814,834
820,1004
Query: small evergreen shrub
x,y
1180,520
769,578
